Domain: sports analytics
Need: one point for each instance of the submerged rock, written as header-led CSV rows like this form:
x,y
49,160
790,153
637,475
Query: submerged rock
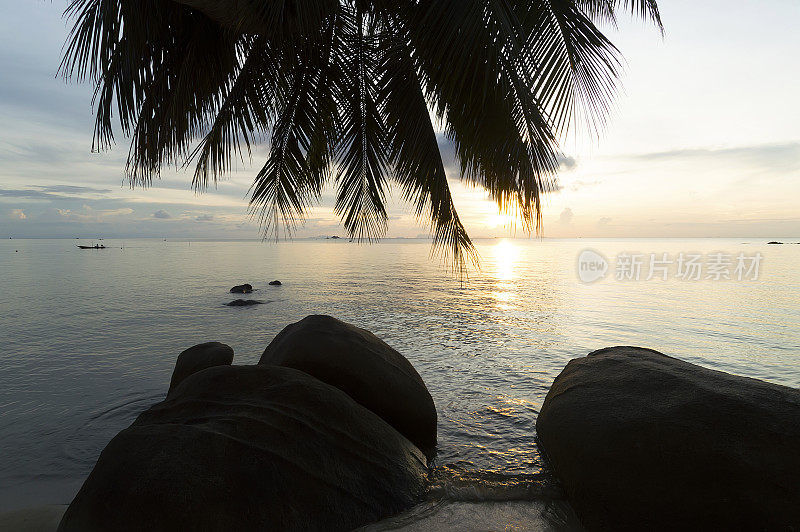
x,y
365,367
244,303
242,289
275,283
250,448
198,358
644,441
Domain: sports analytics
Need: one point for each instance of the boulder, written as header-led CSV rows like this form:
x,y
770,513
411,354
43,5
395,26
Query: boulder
x,y
644,441
242,289
275,283
250,448
200,357
244,303
363,366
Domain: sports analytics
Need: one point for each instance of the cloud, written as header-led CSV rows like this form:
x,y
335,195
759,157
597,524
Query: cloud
x,y
205,218
576,185
72,189
566,216
17,214
161,214
53,192
27,194
582,183
604,221
784,156
93,215
565,162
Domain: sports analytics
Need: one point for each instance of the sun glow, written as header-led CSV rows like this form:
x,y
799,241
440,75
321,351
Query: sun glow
x,y
499,220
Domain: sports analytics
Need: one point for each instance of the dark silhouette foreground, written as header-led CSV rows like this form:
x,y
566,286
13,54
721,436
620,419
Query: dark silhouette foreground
x,y
328,431
260,447
643,441
365,367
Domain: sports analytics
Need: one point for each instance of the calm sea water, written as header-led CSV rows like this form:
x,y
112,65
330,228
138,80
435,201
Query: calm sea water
x,y
90,337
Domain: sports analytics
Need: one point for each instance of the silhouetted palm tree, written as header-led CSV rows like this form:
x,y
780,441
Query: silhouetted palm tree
x,y
352,91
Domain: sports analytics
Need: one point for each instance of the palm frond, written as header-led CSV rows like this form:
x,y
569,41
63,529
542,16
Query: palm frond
x,y
361,152
304,135
276,18
414,153
181,97
278,190
605,11
246,110
502,140
578,65
345,90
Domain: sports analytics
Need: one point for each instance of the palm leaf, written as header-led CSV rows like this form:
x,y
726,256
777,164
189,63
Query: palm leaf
x,y
247,108
345,90
361,151
414,153
304,135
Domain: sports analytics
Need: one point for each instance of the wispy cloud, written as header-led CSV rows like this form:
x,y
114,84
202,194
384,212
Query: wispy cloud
x,y
73,190
54,192
781,157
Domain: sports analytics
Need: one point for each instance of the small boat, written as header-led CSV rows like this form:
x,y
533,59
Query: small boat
x,y
96,246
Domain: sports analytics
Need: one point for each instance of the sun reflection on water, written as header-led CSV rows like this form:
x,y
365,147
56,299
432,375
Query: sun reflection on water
x,y
505,254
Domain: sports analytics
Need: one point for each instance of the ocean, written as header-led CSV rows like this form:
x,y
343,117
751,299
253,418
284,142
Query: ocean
x,y
90,338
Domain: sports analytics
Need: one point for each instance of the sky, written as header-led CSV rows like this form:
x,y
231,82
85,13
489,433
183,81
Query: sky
x,y
703,141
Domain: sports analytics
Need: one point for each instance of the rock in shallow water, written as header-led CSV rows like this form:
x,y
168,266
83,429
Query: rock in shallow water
x,y
365,367
250,448
242,289
643,441
198,358
275,283
244,303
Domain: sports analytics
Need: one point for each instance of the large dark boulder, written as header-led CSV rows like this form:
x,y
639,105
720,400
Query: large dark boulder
x,y
644,441
365,367
242,289
250,448
198,358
